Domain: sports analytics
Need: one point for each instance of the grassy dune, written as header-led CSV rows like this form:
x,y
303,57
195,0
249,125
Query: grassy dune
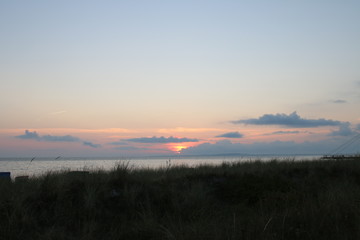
x,y
254,200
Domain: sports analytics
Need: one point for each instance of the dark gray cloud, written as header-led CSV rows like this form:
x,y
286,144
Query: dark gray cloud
x,y
50,138
275,147
339,101
66,138
161,140
343,131
284,132
291,120
231,135
29,135
90,144
47,138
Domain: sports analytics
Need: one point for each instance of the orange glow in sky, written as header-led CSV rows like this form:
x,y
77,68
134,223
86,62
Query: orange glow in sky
x,y
177,147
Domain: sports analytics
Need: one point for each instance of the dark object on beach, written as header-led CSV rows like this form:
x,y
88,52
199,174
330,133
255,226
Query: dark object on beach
x,y
5,175
21,178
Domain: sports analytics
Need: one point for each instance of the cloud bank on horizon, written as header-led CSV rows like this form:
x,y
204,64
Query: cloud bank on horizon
x,y
291,148
50,138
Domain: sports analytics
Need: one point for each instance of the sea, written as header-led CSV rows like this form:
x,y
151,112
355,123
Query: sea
x,y
39,166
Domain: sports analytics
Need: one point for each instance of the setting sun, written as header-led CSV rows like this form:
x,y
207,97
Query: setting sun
x,y
177,147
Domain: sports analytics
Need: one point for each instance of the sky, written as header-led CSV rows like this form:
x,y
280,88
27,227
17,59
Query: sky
x,y
149,78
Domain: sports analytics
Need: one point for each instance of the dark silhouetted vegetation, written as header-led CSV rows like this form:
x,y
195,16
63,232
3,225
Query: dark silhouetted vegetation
x,y
316,200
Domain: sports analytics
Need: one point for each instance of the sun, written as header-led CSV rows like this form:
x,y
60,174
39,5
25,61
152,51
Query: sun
x,y
177,147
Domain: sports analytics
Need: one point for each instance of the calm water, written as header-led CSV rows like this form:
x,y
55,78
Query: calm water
x,y
24,166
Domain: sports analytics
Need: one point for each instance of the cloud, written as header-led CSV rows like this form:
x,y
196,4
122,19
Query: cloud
x,y
66,138
343,131
90,144
50,138
284,132
47,138
291,120
358,127
275,148
339,101
29,135
161,140
231,135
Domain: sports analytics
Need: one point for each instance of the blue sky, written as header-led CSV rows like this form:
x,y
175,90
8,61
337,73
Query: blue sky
x,y
109,71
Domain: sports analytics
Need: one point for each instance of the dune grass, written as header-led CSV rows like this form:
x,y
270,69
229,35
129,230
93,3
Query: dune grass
x,y
317,199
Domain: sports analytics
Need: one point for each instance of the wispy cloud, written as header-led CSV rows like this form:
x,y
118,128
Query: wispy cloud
x,y
90,144
230,135
339,101
28,135
284,132
161,140
291,120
